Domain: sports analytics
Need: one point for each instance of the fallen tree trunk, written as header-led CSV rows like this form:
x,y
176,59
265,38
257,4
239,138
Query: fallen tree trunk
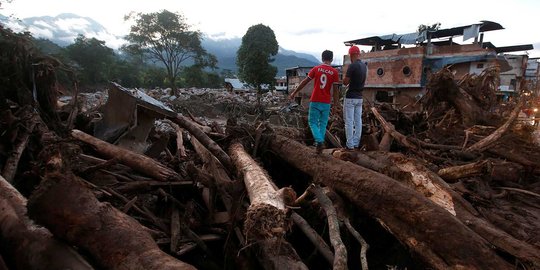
x,y
386,142
138,162
10,167
314,237
463,171
340,258
221,179
339,204
412,173
180,150
434,235
443,87
266,216
493,137
265,200
26,245
389,129
112,238
205,140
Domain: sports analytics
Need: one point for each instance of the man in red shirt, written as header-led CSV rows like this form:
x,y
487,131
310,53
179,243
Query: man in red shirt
x,y
326,78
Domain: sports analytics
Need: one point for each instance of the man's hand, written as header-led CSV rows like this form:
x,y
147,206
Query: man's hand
x,y
291,96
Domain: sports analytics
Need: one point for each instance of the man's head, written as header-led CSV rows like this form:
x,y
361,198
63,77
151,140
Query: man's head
x,y
327,56
354,53
354,50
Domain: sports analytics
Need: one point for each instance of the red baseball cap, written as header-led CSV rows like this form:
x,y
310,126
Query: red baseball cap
x,y
354,50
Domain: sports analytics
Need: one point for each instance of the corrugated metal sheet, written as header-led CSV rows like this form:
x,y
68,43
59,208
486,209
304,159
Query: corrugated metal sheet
x,y
412,38
237,84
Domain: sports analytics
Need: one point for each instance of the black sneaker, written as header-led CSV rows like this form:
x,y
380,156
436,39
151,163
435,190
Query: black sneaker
x,y
319,147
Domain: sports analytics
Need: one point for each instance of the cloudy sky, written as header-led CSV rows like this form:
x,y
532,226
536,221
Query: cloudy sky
x,y
309,26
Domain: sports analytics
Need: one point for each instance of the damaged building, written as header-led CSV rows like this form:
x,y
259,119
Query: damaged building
x,y
512,81
399,64
532,76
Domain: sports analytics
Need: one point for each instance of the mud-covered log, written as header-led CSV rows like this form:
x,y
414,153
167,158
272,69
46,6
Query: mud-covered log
x,y
26,245
113,239
266,213
443,87
314,237
180,149
433,234
343,216
266,216
276,254
340,258
463,171
210,144
389,129
10,167
386,142
219,177
137,162
493,137
414,174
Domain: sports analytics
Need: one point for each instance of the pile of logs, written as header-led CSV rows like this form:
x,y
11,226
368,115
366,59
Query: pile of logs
x,y
438,191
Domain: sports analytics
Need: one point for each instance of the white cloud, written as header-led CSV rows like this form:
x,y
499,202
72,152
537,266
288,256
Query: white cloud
x,y
44,24
71,24
16,26
110,40
41,32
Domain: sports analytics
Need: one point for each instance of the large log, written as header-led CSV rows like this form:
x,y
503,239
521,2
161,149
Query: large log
x,y
433,234
389,129
27,245
463,171
340,258
497,134
265,200
413,173
10,167
266,215
205,140
113,239
443,87
138,162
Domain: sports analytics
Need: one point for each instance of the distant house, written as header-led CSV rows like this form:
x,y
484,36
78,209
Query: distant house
x,y
532,76
233,84
398,74
281,83
511,80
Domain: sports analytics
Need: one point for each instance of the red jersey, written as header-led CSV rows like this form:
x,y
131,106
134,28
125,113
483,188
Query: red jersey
x,y
324,77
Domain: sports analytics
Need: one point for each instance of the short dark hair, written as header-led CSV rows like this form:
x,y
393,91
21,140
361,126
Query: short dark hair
x,y
327,55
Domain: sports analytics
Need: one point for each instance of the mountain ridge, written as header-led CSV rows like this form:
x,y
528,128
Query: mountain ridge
x,y
64,28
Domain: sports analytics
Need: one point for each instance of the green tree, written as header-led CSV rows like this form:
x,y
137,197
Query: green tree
x,y
93,58
195,76
48,47
255,54
166,38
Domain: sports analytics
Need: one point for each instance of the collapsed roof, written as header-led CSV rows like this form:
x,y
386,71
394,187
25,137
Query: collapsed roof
x,y
466,31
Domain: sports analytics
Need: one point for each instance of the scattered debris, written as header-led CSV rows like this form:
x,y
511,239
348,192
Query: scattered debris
x,y
458,186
